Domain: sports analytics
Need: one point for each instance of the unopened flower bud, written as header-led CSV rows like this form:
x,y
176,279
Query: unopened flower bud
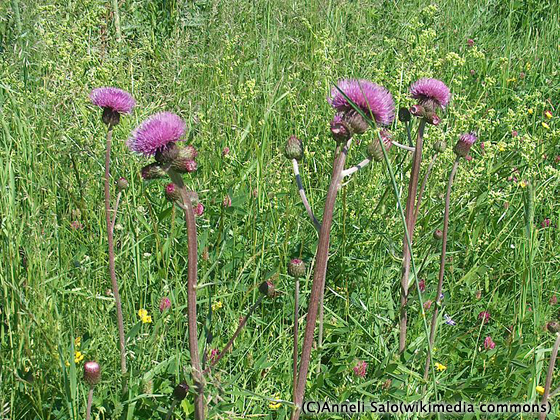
x,y
172,192
374,149
152,171
294,148
198,210
92,373
267,288
122,184
440,146
432,118
340,129
438,234
404,115
417,110
180,391
464,144
184,161
553,327
296,268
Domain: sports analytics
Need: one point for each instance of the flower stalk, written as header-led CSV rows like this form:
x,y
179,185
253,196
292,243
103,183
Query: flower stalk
x,y
549,374
301,190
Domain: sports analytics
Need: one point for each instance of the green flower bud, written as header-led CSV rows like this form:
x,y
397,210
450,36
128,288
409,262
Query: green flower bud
x,y
294,148
296,268
440,146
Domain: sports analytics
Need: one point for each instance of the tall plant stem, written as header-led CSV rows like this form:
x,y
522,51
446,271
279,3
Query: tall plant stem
x,y
549,374
191,295
301,190
110,245
89,403
410,202
296,332
318,286
433,326
423,186
117,19
234,336
115,210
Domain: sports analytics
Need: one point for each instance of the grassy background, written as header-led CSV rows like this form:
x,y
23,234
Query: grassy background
x,y
247,75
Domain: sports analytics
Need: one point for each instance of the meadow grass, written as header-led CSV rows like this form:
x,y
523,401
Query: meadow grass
x,y
247,75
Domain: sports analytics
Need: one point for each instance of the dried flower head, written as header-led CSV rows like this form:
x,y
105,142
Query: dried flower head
x,y
157,133
114,102
373,100
430,93
464,144
92,373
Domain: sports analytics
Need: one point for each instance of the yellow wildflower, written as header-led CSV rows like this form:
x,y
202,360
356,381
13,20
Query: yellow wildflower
x,y
528,66
217,305
142,313
78,357
548,114
501,146
540,389
146,319
77,341
545,125
275,405
440,367
530,111
513,79
67,363
522,184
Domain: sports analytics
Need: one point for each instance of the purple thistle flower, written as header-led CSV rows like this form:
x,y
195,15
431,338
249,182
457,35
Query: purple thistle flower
x,y
489,343
374,100
117,100
156,133
464,144
430,93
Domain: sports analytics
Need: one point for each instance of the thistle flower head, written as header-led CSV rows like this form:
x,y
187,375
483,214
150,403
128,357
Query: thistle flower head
x,y
296,268
294,148
198,209
374,149
464,144
92,373
340,129
438,234
374,100
172,192
114,102
122,184
430,93
157,133
152,171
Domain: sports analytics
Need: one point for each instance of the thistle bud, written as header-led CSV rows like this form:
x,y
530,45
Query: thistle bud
x,y
374,149
404,115
438,234
172,192
432,118
152,171
553,327
110,116
340,129
122,184
440,146
358,124
417,110
167,153
296,268
294,148
267,288
184,160
92,373
180,391
464,144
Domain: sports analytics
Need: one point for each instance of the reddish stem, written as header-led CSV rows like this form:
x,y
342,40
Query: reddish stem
x,y
191,294
441,264
110,245
410,222
549,374
296,332
318,285
423,187
89,403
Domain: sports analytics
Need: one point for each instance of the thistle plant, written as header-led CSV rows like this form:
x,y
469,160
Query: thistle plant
x,y
92,376
351,99
114,103
554,328
461,150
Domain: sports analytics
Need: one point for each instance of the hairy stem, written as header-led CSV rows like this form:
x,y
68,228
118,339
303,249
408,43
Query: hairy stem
x,y
549,374
423,186
234,336
191,294
301,190
117,202
407,252
433,326
317,288
111,247
296,332
89,403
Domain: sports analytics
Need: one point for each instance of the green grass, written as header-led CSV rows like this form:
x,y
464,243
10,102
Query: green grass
x,y
252,74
